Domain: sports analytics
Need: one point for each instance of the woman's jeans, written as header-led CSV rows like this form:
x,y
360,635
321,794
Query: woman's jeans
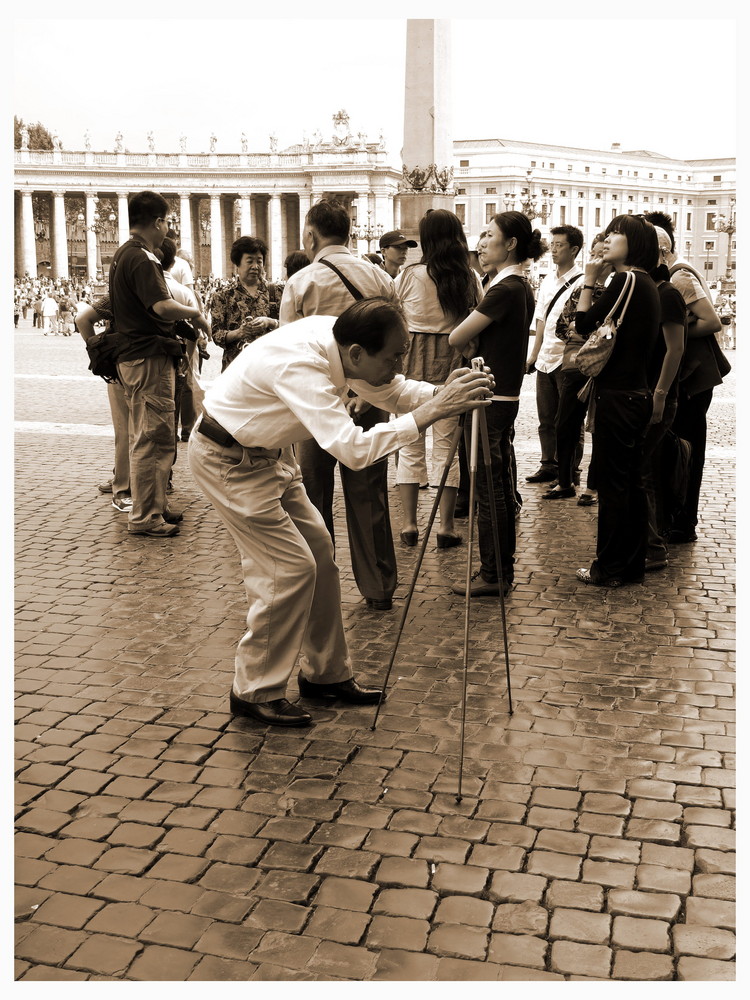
x,y
500,417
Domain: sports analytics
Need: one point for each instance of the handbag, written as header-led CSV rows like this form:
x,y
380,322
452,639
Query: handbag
x,y
596,352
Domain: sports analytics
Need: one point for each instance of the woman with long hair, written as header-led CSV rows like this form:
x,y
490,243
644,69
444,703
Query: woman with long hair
x,y
498,331
436,294
622,399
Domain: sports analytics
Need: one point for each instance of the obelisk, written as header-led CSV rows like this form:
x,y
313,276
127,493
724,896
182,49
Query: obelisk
x,y
427,153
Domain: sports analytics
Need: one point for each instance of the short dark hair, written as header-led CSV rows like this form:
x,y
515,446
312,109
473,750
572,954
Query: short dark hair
x,y
330,219
169,252
146,206
368,323
572,235
599,238
643,244
528,240
663,221
247,244
295,261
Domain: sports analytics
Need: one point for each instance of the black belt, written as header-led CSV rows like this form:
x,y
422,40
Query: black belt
x,y
209,428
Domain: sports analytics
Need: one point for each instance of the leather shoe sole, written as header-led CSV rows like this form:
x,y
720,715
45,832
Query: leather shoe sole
x,y
349,691
278,712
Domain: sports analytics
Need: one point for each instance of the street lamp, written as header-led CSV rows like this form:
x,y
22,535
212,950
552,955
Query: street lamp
x,y
726,224
529,205
509,200
367,232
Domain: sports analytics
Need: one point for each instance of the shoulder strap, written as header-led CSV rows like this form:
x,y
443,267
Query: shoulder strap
x,y
627,289
349,286
691,270
559,292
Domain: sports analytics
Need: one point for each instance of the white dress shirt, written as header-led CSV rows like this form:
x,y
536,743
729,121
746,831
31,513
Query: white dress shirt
x,y
551,351
289,385
316,290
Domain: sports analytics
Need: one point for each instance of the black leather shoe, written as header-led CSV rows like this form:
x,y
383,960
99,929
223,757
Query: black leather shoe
x,y
379,604
543,476
559,493
279,712
347,690
481,587
449,541
172,516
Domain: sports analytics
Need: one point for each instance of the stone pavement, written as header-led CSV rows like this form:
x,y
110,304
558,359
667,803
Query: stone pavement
x,y
159,839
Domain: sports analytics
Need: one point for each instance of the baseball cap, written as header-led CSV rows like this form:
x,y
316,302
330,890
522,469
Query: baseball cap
x,y
395,238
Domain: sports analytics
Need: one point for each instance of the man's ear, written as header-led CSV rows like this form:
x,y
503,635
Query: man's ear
x,y
355,353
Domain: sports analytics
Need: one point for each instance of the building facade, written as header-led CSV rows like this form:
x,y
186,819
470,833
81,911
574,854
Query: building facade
x,y
71,207
588,188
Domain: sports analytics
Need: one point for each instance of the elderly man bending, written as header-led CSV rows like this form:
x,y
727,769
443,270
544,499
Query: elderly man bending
x,y
288,386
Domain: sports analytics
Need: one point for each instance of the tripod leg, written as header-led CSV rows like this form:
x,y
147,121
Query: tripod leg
x,y
487,458
441,486
473,450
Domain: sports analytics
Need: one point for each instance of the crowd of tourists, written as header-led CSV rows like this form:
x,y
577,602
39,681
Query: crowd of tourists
x,y
351,359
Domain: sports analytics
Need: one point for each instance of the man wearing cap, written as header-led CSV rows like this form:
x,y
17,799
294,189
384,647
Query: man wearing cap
x,y
327,287
393,247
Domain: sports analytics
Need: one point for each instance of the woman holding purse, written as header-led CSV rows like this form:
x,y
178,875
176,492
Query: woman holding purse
x,y
621,397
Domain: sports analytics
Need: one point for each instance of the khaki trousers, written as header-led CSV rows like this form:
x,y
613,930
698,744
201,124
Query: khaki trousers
x,y
291,579
149,389
118,406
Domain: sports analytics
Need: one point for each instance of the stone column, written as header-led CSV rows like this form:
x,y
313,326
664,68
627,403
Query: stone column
x,y
246,221
384,211
91,236
123,222
29,236
427,116
305,200
363,204
186,223
217,238
274,241
59,229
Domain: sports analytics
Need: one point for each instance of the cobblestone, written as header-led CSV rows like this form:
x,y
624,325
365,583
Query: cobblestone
x,y
159,839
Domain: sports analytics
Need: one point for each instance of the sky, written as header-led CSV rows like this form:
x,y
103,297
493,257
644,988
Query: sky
x,y
571,81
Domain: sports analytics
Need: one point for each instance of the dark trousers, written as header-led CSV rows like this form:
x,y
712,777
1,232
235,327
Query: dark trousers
x,y
652,482
571,413
367,516
690,424
462,497
500,417
620,421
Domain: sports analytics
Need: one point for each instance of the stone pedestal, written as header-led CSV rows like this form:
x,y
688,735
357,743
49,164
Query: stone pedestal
x,y
412,205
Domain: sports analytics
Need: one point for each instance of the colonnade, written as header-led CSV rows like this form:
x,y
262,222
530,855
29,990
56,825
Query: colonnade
x,y
207,225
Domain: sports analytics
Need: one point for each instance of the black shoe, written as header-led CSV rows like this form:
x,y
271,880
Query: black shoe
x,y
559,493
278,712
677,537
410,538
379,603
343,690
652,565
543,476
172,516
449,541
481,587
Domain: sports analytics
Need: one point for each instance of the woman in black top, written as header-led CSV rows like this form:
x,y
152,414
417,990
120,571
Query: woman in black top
x,y
498,331
623,401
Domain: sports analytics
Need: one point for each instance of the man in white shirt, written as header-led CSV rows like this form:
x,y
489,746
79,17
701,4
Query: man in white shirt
x,y
287,386
546,354
318,290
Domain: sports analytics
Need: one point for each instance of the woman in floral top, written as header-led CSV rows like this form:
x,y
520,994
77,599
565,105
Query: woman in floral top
x,y
249,306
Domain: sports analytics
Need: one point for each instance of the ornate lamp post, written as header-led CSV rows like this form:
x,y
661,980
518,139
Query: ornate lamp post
x,y
529,205
367,232
509,200
726,224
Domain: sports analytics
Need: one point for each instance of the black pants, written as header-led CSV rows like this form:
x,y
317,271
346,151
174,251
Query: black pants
x,y
367,515
571,413
690,424
620,422
653,481
500,417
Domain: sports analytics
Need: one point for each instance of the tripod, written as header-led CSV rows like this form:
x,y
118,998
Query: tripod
x,y
478,429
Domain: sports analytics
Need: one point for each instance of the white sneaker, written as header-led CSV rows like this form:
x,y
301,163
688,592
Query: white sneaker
x,y
124,504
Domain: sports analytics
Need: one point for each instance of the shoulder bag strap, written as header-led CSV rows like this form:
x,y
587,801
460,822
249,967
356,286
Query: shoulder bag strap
x,y
349,286
559,292
626,290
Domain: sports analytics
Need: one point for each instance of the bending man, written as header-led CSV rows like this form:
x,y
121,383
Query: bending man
x,y
288,386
